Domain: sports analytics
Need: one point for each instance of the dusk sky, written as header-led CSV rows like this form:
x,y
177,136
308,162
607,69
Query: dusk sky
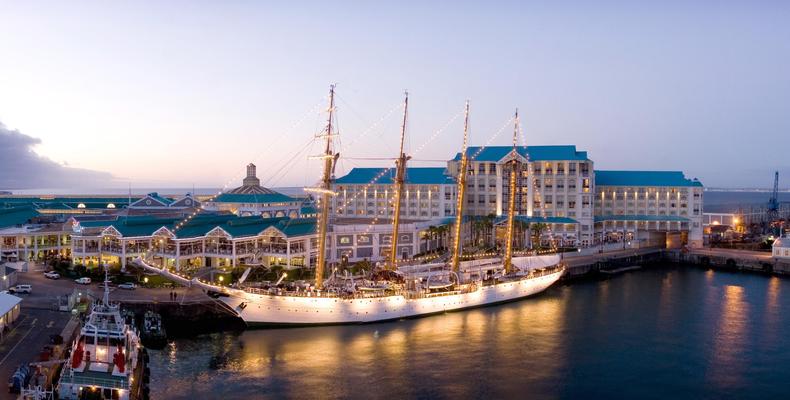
x,y
175,94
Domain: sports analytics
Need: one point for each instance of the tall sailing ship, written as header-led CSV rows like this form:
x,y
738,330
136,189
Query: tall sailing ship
x,y
397,292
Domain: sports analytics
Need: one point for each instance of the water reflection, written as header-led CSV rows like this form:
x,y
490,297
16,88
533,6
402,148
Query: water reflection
x,y
670,333
727,362
465,349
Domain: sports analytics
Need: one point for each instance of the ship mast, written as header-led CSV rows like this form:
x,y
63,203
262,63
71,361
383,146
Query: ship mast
x,y
325,190
400,163
459,208
511,209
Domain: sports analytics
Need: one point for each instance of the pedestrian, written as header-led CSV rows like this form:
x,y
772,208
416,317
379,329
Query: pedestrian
x,y
175,295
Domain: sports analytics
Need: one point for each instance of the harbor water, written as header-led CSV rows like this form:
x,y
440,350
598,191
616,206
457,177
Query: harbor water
x,y
674,332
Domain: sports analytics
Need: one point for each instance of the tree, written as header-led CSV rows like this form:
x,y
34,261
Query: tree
x,y
520,229
537,230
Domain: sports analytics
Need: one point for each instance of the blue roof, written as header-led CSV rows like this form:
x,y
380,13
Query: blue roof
x,y
535,220
643,178
535,153
16,216
414,176
254,198
670,218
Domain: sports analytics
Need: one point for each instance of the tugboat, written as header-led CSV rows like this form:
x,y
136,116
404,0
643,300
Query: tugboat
x,y
107,360
154,335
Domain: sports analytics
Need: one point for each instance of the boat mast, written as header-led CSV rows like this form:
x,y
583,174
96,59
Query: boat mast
x,y
325,190
400,164
511,209
459,207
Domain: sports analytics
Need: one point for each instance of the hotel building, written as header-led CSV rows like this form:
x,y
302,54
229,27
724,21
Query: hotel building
x,y
368,192
648,205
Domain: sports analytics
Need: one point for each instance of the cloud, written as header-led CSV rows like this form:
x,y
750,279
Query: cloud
x,y
22,168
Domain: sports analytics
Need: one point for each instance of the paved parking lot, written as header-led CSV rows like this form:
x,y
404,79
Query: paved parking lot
x,y
39,317
30,333
46,291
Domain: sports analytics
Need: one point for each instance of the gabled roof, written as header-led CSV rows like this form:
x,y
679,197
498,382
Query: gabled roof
x,y
535,153
254,198
643,178
135,226
661,218
152,199
16,216
414,176
185,202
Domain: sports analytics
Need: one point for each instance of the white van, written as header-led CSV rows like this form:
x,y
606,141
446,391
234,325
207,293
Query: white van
x,y
83,281
21,289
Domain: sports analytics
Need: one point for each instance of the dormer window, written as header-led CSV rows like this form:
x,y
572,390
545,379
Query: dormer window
x,y
111,205
81,205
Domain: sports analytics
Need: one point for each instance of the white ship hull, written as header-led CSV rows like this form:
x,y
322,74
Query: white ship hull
x,y
269,310
258,308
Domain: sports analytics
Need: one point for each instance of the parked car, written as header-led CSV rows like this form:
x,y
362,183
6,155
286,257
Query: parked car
x,y
83,281
51,275
21,289
127,286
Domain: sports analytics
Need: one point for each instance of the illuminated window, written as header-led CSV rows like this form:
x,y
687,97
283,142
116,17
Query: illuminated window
x,y
111,205
81,205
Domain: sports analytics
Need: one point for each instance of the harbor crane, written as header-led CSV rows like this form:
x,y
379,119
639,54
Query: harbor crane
x,y
773,201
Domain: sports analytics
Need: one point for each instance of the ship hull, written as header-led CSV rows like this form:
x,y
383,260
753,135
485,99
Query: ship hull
x,y
263,310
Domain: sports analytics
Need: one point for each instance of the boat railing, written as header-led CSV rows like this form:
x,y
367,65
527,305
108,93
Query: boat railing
x,y
76,378
408,293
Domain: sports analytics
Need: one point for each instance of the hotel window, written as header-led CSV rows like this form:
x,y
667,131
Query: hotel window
x,y
585,168
481,199
585,184
481,168
572,168
492,168
560,168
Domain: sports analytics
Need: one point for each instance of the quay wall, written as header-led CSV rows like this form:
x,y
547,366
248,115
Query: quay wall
x,y
189,318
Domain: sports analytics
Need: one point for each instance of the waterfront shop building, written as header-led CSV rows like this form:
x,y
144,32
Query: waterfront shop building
x,y
234,241
650,207
27,235
253,199
206,240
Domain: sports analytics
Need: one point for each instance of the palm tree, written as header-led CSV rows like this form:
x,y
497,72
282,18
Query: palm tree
x,y
537,231
520,228
488,225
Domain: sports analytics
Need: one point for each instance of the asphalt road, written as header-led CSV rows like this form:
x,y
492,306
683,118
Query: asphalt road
x,y
29,335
